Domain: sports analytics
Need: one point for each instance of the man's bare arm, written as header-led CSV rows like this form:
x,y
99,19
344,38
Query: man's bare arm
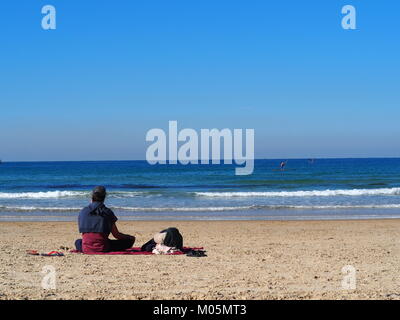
x,y
120,236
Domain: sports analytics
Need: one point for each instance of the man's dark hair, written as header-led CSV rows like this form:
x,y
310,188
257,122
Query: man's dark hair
x,y
99,194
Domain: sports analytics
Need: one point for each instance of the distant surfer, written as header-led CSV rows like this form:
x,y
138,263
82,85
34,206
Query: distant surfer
x,y
282,165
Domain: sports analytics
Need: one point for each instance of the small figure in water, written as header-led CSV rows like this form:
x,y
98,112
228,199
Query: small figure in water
x,y
282,165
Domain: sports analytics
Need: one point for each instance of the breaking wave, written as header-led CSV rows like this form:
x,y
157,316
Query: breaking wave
x,y
64,194
42,195
202,209
311,193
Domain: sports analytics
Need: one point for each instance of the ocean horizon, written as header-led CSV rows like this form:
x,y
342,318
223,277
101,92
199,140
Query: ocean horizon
x,y
308,189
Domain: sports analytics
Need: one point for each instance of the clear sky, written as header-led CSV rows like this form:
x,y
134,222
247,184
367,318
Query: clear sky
x,y
112,70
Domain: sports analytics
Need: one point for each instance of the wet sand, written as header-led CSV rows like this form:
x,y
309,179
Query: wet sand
x,y
246,260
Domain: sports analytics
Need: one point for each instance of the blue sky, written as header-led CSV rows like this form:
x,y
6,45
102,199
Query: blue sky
x,y
112,70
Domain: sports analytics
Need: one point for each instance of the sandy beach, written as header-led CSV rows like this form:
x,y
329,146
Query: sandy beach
x,y
246,260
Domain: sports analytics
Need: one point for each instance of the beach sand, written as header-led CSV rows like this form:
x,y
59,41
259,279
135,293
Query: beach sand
x,y
246,260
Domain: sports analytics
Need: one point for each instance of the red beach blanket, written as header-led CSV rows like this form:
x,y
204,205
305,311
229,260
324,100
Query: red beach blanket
x,y
136,251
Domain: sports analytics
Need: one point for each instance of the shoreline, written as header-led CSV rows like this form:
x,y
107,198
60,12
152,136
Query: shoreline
x,y
234,215
179,220
355,216
246,260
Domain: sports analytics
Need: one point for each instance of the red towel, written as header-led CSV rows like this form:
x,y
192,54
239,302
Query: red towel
x,y
136,251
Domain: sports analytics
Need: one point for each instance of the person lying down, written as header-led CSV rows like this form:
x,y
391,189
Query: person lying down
x,y
166,241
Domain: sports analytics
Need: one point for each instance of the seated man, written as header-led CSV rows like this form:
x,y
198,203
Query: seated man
x,y
96,221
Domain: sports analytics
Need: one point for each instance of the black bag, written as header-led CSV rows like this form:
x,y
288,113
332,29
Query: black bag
x,y
173,238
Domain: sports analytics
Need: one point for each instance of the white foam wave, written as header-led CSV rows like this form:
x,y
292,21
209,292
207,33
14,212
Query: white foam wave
x,y
201,209
258,207
133,209
325,207
42,195
64,194
126,194
43,209
182,209
312,193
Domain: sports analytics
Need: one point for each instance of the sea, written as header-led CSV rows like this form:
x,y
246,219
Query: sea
x,y
307,189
